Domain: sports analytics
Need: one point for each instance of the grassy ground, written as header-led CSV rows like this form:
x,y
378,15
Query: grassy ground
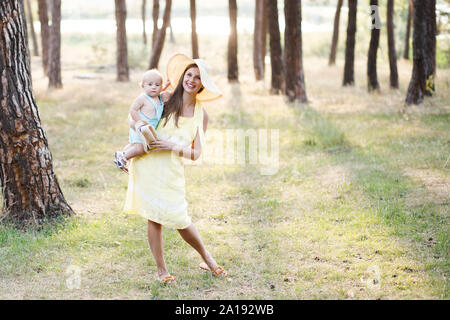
x,y
358,209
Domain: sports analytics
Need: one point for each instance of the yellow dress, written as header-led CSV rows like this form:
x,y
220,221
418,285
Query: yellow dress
x,y
156,183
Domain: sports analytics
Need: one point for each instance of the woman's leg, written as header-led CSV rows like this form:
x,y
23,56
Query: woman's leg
x,y
155,241
191,236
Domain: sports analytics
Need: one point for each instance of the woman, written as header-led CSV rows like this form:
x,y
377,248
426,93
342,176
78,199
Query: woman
x,y
156,185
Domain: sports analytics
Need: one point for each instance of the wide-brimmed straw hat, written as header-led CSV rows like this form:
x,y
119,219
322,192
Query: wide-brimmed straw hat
x,y
177,65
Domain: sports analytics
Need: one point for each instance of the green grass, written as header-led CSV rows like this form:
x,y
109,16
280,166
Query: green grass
x,y
361,192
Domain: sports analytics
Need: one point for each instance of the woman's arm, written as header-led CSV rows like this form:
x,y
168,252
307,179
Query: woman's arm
x,y
191,152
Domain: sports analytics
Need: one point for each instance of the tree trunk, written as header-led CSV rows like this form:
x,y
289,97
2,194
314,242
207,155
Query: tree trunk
x,y
121,42
275,46
295,80
194,31
430,47
372,54
31,192
172,38
159,41
417,85
233,73
155,15
54,63
33,34
408,29
349,77
424,52
143,14
334,40
265,35
45,32
259,39
393,79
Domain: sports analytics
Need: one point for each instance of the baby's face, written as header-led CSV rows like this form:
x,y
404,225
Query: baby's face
x,y
152,85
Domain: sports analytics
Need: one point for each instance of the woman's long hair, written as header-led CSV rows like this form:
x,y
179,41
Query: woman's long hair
x,y
175,103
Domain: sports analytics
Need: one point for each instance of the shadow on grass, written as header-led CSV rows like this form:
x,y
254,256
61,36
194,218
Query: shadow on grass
x,y
383,184
381,181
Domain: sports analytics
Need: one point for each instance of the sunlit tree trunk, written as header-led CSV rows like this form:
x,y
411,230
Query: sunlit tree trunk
x,y
393,79
233,73
194,37
424,51
54,63
408,29
172,37
259,39
45,32
121,42
335,39
31,192
349,73
155,16
430,47
372,79
275,46
31,24
161,36
295,79
143,14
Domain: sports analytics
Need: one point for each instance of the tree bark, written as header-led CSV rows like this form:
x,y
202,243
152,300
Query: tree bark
x,y
430,47
54,63
372,78
155,15
393,79
408,29
265,35
31,192
172,37
194,37
143,14
121,42
295,80
33,33
233,71
275,46
259,39
45,33
424,38
416,88
349,77
161,36
334,40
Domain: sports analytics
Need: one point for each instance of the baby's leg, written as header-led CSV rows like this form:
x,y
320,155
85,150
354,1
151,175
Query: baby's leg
x,y
134,150
128,146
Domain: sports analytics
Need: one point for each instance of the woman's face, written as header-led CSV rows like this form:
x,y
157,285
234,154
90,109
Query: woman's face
x,y
191,81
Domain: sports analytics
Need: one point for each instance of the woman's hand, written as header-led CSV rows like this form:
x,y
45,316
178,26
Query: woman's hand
x,y
163,145
165,96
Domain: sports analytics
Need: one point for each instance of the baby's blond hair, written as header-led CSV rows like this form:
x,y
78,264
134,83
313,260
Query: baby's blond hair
x,y
151,72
